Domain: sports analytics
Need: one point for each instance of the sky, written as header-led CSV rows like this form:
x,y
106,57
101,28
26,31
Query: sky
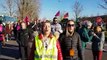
x,y
49,8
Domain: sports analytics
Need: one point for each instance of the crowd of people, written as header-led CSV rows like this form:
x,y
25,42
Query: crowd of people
x,y
53,40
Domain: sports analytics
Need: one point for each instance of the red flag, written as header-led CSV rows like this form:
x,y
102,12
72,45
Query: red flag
x,y
26,20
58,13
66,15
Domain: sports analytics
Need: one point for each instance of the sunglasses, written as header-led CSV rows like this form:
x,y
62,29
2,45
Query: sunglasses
x,y
70,25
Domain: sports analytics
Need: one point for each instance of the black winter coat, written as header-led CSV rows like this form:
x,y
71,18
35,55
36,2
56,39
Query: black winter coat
x,y
23,37
68,42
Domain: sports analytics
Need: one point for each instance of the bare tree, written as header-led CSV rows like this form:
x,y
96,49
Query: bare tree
x,y
9,7
22,8
77,8
104,4
28,8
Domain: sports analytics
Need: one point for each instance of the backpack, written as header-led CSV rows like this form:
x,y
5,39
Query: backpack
x,y
83,36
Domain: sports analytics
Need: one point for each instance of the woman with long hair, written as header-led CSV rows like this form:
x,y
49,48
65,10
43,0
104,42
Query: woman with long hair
x,y
97,43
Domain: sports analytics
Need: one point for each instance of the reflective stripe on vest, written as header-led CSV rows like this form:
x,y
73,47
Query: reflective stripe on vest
x,y
45,54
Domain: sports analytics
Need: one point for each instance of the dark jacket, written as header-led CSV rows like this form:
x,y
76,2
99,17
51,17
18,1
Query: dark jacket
x,y
68,42
23,37
98,41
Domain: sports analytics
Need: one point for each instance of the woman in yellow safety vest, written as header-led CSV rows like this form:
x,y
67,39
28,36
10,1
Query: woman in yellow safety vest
x,y
46,45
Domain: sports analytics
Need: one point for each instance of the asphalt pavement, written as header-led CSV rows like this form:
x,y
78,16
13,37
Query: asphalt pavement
x,y
11,52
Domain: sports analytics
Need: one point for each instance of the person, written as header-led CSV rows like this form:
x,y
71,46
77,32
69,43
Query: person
x,y
70,43
56,27
45,45
7,31
85,33
35,25
97,43
64,21
2,39
78,26
98,22
35,28
23,39
15,30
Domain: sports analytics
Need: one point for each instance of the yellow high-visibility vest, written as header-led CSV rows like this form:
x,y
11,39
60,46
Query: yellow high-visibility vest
x,y
41,53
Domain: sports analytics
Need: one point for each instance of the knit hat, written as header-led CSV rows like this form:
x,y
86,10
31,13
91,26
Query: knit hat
x,y
98,19
88,23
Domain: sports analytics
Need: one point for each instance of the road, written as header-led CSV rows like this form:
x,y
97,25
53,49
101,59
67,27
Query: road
x,y
10,52
88,52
